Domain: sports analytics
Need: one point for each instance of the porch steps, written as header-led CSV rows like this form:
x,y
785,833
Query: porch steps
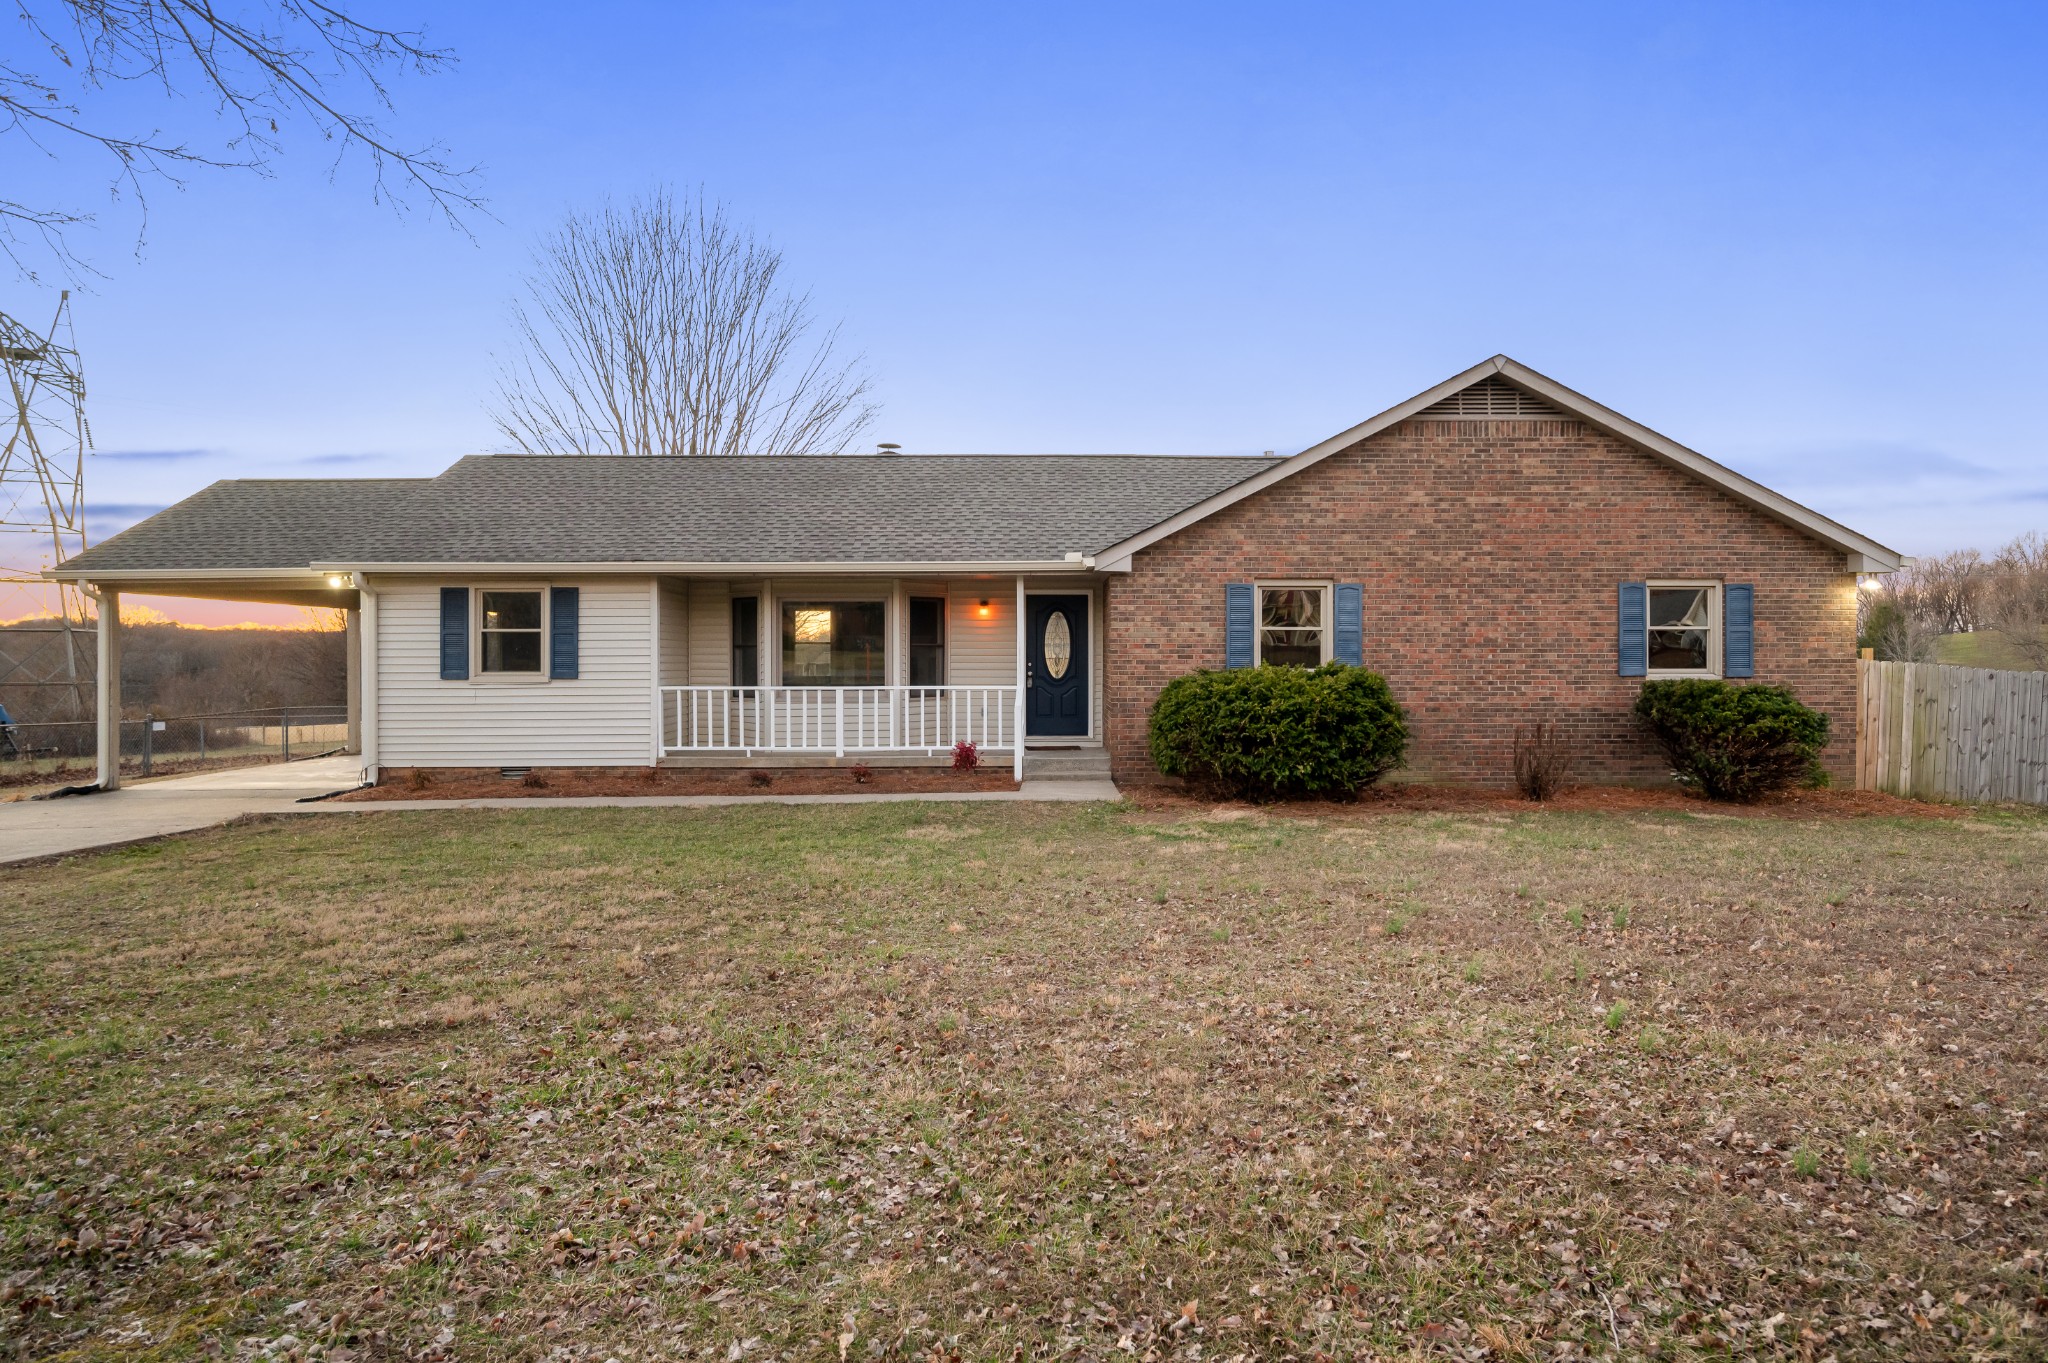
x,y
1066,764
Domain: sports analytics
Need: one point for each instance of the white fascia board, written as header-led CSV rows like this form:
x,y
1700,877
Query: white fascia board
x,y
118,576
1771,503
1036,567
1860,548
1287,468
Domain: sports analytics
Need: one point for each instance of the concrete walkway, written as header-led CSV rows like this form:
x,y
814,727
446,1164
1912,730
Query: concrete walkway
x,y
1048,790
34,829
31,830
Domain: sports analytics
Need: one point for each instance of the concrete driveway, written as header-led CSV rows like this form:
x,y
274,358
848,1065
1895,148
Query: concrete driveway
x,y
31,829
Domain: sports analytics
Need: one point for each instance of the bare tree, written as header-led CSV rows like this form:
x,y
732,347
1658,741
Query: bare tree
x,y
264,66
2016,603
661,328
1905,618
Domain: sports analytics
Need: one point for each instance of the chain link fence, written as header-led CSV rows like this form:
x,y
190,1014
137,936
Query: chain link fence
x,y
47,753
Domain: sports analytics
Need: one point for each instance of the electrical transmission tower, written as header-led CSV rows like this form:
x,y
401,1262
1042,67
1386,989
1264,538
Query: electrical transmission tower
x,y
47,656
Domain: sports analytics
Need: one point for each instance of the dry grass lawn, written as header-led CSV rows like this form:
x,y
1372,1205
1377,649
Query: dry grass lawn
x,y
1009,1081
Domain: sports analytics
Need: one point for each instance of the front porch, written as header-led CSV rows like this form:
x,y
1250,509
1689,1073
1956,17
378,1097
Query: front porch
x,y
920,721
783,671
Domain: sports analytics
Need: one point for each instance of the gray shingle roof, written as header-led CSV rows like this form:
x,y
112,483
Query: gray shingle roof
x,y
608,509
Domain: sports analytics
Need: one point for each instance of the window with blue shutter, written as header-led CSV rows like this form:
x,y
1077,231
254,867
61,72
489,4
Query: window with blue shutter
x,y
564,606
455,634
1738,645
1347,643
1237,624
1632,630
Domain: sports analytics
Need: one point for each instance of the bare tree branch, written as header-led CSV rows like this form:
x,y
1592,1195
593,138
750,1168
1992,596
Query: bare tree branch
x,y
287,62
1905,619
660,328
2016,604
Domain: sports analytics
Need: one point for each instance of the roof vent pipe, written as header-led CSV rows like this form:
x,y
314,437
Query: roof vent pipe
x,y
888,447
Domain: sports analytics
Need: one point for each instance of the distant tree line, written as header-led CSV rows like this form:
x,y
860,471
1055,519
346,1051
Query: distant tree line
x,y
2004,594
171,670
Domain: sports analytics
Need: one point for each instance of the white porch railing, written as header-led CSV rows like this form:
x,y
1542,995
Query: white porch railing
x,y
836,719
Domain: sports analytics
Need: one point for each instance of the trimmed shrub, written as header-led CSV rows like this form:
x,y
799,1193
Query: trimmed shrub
x,y
1733,741
1275,733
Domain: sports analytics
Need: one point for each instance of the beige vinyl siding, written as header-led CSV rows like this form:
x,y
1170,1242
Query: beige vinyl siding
x,y
710,661
603,718
982,651
675,633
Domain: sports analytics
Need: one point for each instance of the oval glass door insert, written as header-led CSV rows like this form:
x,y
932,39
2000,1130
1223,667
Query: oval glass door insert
x,y
1059,645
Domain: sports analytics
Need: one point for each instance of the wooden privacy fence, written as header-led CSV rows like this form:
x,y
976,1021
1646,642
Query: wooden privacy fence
x,y
1952,733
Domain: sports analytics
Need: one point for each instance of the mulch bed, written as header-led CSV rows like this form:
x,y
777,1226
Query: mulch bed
x,y
1415,797
469,785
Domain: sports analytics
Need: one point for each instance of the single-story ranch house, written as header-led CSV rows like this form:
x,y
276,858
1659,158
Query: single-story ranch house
x,y
1503,549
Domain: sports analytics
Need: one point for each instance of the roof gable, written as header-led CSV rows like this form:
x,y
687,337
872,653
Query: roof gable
x,y
1490,390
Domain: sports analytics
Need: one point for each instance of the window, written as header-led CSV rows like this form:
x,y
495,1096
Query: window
x,y
1684,627
746,641
509,632
1293,627
927,641
832,643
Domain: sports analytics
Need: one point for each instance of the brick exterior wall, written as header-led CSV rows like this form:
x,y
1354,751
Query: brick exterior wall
x,y
1490,552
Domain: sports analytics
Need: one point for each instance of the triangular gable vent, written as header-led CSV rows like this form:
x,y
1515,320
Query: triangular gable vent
x,y
1491,399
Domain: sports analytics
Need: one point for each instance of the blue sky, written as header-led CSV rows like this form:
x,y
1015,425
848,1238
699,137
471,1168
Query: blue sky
x,y
1807,240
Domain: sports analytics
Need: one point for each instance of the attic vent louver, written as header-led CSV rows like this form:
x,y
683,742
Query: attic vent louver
x,y
1491,399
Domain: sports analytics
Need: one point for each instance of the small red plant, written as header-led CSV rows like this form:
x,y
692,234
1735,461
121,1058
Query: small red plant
x,y
966,756
861,773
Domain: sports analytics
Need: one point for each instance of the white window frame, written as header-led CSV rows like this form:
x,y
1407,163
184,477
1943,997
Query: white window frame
x,y
843,597
477,675
1259,590
1713,669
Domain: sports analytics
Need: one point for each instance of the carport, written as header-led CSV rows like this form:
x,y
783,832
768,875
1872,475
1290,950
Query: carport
x,y
281,586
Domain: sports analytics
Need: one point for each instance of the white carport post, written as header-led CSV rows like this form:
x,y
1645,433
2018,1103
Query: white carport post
x,y
352,654
109,688
1017,738
366,686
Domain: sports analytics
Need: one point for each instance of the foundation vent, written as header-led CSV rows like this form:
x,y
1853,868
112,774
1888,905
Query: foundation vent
x,y
1491,399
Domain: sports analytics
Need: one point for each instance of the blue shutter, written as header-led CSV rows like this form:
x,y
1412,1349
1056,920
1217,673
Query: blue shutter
x,y
1632,638
1347,644
564,605
1738,630
1237,624
455,634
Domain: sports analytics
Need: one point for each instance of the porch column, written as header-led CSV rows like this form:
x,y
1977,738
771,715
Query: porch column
x,y
110,688
352,649
1017,745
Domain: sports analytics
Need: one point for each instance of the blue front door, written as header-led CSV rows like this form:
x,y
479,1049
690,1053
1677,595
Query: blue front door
x,y
1056,667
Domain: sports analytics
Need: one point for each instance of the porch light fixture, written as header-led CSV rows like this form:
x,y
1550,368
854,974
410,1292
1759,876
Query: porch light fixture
x,y
983,609
334,579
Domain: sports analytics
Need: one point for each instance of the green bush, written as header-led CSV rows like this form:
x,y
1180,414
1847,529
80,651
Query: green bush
x,y
1733,741
1273,733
